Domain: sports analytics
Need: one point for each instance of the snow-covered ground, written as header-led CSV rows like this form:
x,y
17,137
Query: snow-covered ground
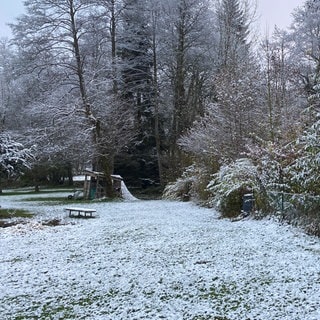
x,y
156,260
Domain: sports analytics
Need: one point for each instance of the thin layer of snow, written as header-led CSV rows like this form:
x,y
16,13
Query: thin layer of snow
x,y
157,260
80,178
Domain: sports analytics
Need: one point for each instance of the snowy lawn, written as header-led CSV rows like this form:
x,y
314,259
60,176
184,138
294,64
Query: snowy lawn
x,y
156,260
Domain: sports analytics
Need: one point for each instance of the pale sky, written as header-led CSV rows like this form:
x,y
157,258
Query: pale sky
x,y
270,13
273,13
9,10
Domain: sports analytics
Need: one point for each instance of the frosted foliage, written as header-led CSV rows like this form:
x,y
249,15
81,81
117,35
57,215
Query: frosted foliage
x,y
13,156
223,129
269,158
306,30
190,185
201,138
181,187
241,174
305,170
72,109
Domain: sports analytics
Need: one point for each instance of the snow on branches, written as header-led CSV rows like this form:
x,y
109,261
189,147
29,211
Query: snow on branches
x,y
13,156
304,171
239,176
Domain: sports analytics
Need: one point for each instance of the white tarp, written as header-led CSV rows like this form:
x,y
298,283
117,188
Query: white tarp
x,y
125,193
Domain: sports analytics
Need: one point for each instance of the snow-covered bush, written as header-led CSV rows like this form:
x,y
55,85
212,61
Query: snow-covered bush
x,y
271,159
231,182
179,189
13,156
191,185
304,171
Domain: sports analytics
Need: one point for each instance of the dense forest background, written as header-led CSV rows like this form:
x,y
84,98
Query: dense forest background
x,y
183,94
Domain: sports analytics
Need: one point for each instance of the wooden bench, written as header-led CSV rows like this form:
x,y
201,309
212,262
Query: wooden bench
x,y
81,212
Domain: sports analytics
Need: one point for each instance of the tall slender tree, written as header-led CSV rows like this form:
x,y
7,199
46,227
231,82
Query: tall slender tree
x,y
236,77
135,52
136,86
185,68
5,81
233,18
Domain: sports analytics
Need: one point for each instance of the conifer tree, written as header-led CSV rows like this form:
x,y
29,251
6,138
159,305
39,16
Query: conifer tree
x,y
233,21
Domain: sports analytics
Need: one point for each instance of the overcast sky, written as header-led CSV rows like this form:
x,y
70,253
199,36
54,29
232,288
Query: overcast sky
x,y
270,12
276,12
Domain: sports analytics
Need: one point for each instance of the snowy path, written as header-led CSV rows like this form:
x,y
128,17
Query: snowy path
x,y
158,260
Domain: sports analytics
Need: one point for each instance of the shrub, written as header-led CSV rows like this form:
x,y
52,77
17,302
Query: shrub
x,y
178,190
230,183
192,185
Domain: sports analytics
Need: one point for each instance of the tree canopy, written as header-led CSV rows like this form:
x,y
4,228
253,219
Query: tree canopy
x,y
147,89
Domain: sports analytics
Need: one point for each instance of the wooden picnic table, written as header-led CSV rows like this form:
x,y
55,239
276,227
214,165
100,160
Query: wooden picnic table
x,y
81,211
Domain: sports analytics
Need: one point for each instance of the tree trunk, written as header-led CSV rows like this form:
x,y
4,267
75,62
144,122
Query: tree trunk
x,y
96,133
179,97
113,47
156,98
107,170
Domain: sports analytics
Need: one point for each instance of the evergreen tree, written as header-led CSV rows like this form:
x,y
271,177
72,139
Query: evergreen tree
x,y
234,110
136,62
186,65
232,29
134,48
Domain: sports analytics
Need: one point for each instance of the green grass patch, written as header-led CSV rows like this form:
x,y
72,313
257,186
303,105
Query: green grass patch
x,y
20,192
16,193
53,199
59,200
14,213
60,307
65,201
